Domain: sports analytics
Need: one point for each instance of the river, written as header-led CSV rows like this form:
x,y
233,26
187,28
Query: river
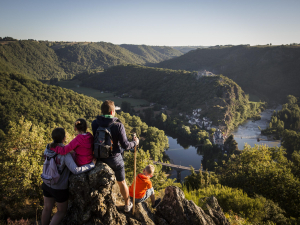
x,y
248,133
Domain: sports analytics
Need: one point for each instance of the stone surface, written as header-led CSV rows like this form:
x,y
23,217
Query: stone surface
x,y
93,198
175,209
215,211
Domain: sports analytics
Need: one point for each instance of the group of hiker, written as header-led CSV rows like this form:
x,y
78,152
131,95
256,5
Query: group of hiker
x,y
79,156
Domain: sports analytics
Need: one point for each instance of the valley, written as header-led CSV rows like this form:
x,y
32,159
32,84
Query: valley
x,y
180,115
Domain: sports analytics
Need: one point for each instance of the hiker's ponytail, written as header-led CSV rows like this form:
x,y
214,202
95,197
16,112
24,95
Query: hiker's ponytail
x,y
81,125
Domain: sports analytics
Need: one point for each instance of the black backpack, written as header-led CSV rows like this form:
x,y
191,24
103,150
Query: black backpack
x,y
103,144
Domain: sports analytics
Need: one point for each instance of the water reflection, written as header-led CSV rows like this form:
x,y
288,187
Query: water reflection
x,y
185,155
250,133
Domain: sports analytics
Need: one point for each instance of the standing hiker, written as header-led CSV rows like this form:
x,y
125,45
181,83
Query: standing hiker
x,y
115,159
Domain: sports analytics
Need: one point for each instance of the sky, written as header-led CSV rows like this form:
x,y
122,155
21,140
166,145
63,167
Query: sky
x,y
152,22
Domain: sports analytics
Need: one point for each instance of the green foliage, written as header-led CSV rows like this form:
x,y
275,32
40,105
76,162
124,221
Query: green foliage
x,y
256,210
156,142
21,166
152,54
261,71
79,57
285,123
267,172
286,118
44,60
44,105
32,58
199,180
163,117
7,39
290,141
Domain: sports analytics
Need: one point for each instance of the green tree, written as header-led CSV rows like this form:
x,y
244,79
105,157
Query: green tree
x,y
163,117
264,171
21,165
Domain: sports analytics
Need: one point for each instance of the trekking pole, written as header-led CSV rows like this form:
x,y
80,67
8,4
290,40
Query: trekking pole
x,y
134,175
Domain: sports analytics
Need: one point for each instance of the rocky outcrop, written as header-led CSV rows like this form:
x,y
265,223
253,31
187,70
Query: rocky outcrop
x,y
93,201
175,209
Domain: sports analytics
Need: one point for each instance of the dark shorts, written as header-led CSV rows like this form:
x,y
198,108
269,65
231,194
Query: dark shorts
x,y
59,195
117,165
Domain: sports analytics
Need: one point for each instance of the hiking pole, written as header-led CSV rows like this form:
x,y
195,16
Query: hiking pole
x,y
134,175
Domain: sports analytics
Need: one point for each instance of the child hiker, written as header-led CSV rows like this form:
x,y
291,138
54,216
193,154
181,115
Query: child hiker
x,y
143,188
82,144
58,191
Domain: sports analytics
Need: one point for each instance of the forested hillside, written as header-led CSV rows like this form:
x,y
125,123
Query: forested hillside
x,y
269,72
186,49
152,54
45,60
32,58
76,58
221,99
45,105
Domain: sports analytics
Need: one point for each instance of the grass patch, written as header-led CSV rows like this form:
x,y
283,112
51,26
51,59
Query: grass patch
x,y
76,86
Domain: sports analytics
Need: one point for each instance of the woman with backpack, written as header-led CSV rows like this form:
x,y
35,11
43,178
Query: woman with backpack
x,y
56,177
82,144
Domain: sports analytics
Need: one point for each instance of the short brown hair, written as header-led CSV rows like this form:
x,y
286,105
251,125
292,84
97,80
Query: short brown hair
x,y
107,107
58,135
150,169
81,125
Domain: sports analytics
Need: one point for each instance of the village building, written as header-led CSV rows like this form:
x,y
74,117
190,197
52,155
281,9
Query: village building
x,y
218,138
204,73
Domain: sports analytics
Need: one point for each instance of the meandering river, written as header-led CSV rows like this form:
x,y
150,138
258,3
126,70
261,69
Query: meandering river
x,y
248,132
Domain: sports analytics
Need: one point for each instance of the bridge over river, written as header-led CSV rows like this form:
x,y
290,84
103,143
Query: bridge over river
x,y
178,168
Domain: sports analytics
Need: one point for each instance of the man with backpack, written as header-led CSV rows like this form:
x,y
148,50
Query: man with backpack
x,y
109,132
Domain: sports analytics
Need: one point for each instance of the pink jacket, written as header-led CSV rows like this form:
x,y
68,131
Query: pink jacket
x,y
82,144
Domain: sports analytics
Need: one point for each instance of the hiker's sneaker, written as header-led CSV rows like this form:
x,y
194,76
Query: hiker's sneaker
x,y
156,203
128,207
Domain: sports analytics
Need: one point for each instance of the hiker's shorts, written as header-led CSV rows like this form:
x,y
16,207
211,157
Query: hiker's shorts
x,y
148,193
59,195
117,165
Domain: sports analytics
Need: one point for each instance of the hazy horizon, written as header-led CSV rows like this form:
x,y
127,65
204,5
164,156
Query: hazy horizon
x,y
156,23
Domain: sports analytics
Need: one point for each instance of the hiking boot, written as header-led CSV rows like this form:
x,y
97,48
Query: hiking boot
x,y
156,203
128,207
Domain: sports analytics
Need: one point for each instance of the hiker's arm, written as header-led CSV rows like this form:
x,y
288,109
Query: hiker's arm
x,y
66,149
74,168
123,139
94,127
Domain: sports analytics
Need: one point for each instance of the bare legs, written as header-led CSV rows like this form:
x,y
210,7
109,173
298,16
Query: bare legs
x,y
152,197
59,215
124,191
48,205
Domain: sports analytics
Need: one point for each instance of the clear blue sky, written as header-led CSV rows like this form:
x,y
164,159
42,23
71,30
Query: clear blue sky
x,y
151,22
